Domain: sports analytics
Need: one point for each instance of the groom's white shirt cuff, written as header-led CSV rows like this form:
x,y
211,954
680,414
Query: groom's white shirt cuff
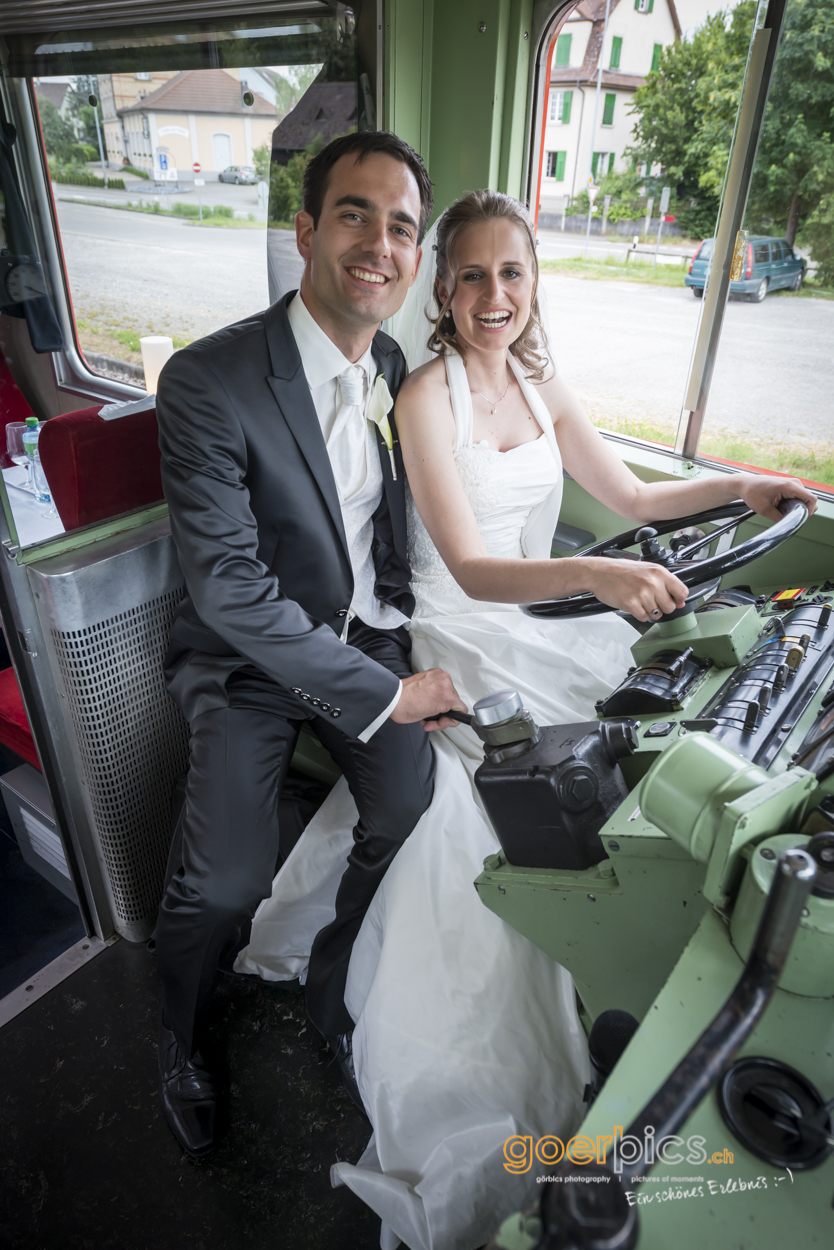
x,y
368,733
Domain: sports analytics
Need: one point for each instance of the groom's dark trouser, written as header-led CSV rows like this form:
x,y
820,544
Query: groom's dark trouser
x,y
225,846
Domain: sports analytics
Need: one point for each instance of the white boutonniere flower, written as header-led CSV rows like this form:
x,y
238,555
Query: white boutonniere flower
x,y
379,405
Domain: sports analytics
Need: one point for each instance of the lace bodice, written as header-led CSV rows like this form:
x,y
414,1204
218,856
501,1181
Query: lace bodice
x,y
506,490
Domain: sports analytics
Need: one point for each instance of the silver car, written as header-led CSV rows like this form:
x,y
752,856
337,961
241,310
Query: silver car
x,y
238,174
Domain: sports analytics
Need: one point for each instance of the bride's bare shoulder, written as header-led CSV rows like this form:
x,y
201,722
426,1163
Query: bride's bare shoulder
x,y
425,381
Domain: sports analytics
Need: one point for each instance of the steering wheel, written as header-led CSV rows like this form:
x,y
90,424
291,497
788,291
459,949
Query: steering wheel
x,y
681,557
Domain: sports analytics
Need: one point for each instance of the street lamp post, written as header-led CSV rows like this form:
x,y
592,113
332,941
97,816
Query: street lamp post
x,y
94,104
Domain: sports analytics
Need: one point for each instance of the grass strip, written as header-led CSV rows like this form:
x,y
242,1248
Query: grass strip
x,y
121,344
209,218
813,462
612,270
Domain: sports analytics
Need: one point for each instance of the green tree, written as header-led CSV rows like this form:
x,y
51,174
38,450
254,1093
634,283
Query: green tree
x,y
685,112
58,133
262,156
795,163
291,81
286,180
80,109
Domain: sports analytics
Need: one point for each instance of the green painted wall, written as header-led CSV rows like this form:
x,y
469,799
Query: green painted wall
x,y
459,94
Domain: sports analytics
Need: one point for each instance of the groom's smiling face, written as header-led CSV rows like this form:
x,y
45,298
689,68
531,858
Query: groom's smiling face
x,y
363,255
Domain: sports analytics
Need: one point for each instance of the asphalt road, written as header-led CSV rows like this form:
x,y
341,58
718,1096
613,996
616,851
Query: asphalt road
x,y
624,347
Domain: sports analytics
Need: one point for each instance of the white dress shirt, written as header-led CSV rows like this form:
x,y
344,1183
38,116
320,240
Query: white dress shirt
x,y
322,363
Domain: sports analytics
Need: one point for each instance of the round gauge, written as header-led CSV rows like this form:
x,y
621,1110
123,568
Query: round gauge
x,y
25,281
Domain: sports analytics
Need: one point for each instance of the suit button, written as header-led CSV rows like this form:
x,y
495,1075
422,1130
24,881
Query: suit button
x,y
296,690
316,702
305,698
342,612
337,711
325,707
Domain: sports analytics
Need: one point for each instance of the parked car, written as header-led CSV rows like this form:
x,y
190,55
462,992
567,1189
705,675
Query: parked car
x,y
769,264
239,173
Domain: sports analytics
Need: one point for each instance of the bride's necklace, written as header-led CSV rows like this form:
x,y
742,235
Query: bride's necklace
x,y
492,402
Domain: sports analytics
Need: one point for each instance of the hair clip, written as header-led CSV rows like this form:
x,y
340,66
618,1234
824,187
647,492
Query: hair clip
x,y
434,247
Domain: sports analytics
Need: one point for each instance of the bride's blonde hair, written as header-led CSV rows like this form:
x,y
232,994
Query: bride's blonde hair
x,y
471,209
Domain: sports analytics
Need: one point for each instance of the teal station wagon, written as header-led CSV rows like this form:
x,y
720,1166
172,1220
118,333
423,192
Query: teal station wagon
x,y
769,264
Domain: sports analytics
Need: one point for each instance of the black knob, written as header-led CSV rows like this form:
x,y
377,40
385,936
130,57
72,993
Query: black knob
x,y
587,1216
649,546
821,847
619,739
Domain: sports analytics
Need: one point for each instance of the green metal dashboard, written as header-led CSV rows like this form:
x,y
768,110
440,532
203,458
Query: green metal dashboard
x,y
733,708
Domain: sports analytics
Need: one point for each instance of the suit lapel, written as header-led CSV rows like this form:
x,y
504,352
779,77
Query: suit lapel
x,y
394,491
292,394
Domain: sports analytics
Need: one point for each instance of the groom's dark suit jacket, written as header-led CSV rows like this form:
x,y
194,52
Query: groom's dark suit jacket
x,y
258,528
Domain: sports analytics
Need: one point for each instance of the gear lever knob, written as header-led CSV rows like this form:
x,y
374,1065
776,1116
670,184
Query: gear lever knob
x,y
498,707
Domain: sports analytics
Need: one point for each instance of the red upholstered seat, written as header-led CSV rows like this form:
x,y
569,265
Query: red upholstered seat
x,y
13,407
14,727
97,469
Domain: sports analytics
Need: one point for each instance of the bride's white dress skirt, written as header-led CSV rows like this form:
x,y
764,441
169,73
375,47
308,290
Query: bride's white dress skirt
x,y
466,1034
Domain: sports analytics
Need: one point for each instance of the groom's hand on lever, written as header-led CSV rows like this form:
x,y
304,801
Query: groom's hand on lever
x,y
425,696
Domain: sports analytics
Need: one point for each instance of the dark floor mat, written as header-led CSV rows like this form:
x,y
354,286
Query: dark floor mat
x,y
88,1162
37,922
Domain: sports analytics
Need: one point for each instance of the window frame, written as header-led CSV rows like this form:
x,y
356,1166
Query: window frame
x,y
608,108
616,51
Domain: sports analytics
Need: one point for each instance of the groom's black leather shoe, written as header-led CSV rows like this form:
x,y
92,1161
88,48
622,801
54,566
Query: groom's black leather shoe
x,y
342,1048
187,1094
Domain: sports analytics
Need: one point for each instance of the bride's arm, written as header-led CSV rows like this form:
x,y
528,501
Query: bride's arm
x,y
426,429
595,465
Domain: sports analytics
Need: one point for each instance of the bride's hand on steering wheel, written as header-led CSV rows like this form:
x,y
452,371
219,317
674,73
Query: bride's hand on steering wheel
x,y
645,591
763,494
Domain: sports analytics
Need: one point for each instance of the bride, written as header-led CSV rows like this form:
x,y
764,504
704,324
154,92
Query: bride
x,y
466,1034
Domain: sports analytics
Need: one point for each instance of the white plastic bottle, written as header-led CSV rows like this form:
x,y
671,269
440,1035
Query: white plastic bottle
x,y
40,486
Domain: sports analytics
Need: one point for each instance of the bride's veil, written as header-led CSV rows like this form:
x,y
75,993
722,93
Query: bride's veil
x,y
411,326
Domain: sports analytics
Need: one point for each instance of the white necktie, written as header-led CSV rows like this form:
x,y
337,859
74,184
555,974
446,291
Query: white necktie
x,y
347,445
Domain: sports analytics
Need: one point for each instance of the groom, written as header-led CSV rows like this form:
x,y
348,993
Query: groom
x,y
288,516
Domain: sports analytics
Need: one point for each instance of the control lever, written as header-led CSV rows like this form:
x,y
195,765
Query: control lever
x,y
464,717
501,722
699,1070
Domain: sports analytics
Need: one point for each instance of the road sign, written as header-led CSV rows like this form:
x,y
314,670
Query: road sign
x,y
199,182
169,175
593,192
664,198
162,160
196,167
669,217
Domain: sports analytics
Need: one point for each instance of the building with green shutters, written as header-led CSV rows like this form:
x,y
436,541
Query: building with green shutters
x,y
626,51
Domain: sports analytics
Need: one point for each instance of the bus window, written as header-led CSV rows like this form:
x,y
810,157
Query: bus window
x,y
770,402
628,200
173,165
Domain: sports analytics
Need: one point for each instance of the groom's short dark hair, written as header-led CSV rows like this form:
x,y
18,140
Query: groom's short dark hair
x,y
364,143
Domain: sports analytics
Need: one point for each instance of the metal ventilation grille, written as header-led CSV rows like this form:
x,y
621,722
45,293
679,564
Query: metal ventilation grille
x,y
133,743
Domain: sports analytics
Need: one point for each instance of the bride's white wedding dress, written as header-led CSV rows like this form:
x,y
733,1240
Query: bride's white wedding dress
x,y
466,1034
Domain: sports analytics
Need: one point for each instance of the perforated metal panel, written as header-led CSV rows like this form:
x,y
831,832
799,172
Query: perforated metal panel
x,y
133,742
107,615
